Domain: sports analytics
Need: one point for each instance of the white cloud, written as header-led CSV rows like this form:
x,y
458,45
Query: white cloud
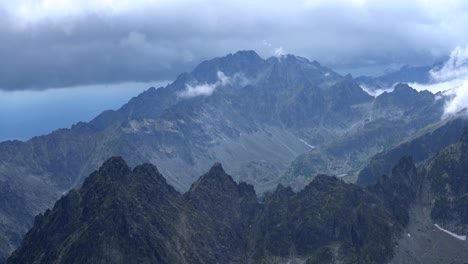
x,y
455,68
438,86
459,99
198,90
204,89
452,80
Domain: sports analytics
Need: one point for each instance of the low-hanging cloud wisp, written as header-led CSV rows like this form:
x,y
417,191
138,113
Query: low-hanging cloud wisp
x,y
204,89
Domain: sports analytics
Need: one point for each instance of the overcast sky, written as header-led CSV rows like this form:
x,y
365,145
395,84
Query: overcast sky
x,y
60,43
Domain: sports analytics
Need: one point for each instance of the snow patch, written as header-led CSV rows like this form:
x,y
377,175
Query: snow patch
x,y
450,233
307,144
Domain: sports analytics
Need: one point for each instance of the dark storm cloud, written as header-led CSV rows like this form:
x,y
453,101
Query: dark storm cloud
x,y
51,43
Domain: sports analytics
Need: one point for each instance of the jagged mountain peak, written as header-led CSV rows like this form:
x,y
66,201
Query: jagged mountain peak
x,y
115,174
281,193
215,177
115,163
248,63
298,62
290,58
249,54
217,167
113,169
406,97
403,87
322,182
403,91
145,168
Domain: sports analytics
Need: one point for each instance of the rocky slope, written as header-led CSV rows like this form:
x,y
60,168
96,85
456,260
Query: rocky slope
x,y
421,146
393,117
261,115
438,220
133,216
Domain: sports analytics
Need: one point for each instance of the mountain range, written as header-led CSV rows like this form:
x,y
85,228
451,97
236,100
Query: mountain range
x,y
133,216
406,74
280,120
122,215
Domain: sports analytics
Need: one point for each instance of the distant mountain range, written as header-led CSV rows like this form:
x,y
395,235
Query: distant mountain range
x,y
277,120
406,74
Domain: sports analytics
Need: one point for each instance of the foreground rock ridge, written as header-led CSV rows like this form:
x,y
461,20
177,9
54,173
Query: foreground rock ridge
x,y
122,215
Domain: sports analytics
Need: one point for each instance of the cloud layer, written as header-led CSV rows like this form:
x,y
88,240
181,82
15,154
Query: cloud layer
x,y
57,43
